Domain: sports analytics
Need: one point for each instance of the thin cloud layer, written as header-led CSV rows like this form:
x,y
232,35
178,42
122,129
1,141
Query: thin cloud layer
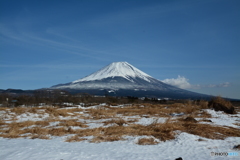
x,y
183,83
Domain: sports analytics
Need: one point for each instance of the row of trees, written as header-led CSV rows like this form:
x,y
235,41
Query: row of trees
x,y
60,98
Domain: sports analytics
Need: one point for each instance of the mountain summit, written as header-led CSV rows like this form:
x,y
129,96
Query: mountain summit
x,y
117,75
123,79
117,69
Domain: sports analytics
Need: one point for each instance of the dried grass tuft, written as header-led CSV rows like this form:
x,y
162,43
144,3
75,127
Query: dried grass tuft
x,y
74,138
222,101
19,110
147,141
118,121
203,104
72,122
57,112
58,131
101,138
37,136
220,104
209,131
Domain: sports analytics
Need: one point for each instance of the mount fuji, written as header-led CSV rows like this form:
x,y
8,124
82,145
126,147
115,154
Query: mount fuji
x,y
123,79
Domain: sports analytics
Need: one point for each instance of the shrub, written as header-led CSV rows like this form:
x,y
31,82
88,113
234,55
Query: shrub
x,y
220,104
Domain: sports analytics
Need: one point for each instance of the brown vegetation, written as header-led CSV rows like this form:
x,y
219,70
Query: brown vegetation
x,y
19,110
102,138
75,139
57,112
122,120
220,104
37,136
147,141
118,121
72,122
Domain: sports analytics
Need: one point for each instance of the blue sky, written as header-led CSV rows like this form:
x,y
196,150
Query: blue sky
x,y
193,44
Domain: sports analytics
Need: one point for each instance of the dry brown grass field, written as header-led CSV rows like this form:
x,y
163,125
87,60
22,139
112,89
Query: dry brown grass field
x,y
113,123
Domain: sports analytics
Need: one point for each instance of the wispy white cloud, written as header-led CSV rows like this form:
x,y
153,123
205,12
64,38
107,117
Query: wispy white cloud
x,y
136,14
51,66
187,66
183,83
180,82
62,43
225,84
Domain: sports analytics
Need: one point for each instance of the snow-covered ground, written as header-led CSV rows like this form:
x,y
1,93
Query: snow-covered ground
x,y
185,145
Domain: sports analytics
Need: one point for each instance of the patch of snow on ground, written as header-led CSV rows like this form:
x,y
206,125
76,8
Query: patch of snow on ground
x,y
31,117
148,121
223,119
176,114
185,145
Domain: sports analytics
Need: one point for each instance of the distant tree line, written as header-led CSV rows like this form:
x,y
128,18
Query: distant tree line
x,y
61,98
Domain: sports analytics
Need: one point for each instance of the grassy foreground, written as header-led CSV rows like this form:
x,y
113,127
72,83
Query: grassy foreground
x,y
103,123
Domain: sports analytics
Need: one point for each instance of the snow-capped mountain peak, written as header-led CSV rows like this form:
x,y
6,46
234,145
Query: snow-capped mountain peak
x,y
117,69
123,79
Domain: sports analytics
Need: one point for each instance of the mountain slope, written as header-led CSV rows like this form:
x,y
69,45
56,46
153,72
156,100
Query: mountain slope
x,y
123,79
117,75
